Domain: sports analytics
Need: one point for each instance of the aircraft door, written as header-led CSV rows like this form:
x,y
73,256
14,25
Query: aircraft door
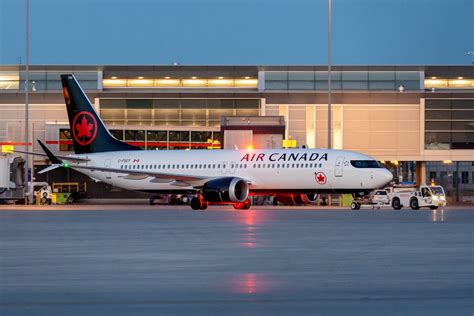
x,y
338,171
107,165
232,167
224,167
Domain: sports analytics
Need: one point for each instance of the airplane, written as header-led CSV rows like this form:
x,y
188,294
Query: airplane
x,y
211,176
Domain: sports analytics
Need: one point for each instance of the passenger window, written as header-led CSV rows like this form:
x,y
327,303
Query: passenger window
x,y
214,166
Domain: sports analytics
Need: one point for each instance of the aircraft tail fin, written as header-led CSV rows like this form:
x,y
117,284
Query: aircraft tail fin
x,y
89,133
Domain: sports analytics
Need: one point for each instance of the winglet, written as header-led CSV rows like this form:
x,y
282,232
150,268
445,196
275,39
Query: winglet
x,y
54,160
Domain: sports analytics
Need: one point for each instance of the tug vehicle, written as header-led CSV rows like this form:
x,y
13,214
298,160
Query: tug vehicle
x,y
431,196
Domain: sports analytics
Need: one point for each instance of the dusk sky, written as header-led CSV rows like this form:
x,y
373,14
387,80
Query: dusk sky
x,y
238,32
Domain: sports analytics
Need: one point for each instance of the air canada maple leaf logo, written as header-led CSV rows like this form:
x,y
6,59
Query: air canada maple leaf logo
x,y
84,128
320,177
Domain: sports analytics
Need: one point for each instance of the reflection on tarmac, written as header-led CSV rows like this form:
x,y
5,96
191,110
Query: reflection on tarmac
x,y
437,215
142,260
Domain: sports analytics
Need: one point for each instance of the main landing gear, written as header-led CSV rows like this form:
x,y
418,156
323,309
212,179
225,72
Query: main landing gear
x,y
198,203
245,205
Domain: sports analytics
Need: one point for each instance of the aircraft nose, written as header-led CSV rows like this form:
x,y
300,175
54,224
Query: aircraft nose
x,y
386,177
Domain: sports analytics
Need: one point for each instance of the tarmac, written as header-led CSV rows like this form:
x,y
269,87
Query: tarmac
x,y
163,260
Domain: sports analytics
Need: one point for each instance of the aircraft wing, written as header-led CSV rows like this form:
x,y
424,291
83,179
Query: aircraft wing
x,y
179,180
143,174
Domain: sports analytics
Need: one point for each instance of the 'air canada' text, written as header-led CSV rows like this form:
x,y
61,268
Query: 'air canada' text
x,y
285,157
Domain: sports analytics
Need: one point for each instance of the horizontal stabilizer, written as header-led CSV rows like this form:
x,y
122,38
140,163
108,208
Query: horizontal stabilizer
x,y
49,168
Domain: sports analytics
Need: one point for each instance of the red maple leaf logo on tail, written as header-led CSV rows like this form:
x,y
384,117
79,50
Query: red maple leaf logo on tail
x,y
84,128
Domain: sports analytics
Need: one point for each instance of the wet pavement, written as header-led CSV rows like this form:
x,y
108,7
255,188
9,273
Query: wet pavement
x,y
143,260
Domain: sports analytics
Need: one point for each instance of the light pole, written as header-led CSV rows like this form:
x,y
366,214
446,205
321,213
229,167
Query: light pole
x,y
27,88
329,76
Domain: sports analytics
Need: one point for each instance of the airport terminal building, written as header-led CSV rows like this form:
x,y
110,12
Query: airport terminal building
x,y
418,120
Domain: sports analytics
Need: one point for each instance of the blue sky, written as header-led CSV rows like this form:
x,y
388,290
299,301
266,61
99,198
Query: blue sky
x,y
238,32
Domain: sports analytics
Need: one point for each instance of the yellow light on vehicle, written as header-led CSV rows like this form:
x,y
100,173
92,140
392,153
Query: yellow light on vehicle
x,y
8,149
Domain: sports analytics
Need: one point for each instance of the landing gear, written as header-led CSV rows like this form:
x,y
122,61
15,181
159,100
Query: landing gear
x,y
245,205
198,203
355,206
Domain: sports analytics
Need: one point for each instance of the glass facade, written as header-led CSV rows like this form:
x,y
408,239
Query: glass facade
x,y
45,80
192,82
449,124
155,139
175,112
342,80
454,83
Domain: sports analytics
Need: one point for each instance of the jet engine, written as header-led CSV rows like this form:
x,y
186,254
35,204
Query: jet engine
x,y
297,199
226,190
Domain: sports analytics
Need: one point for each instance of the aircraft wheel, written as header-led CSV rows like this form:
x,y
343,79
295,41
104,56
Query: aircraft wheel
x,y
204,206
238,206
247,204
414,204
196,203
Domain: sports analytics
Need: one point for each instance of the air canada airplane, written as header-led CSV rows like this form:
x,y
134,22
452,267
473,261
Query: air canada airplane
x,y
212,176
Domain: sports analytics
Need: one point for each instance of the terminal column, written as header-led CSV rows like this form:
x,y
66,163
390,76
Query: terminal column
x,y
420,172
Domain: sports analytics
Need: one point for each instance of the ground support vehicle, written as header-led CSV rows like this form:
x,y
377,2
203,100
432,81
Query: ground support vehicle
x,y
375,199
425,196
43,195
12,181
68,192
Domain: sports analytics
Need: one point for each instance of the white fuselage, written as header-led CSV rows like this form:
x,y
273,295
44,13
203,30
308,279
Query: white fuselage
x,y
273,170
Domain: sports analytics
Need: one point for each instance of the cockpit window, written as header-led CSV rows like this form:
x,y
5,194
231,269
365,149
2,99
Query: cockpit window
x,y
365,164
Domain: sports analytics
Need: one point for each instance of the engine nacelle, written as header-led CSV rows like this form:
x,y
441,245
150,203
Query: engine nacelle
x,y
297,199
226,190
